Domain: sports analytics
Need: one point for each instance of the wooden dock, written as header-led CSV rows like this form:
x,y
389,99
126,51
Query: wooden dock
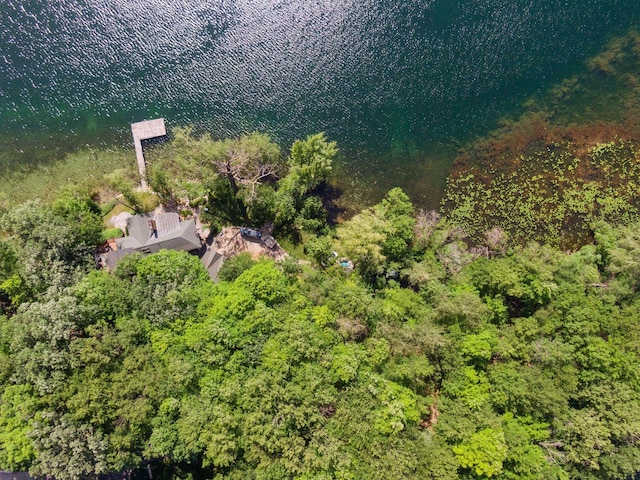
x,y
144,131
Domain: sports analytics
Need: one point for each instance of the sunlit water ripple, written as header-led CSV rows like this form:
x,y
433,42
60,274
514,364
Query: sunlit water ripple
x,y
392,81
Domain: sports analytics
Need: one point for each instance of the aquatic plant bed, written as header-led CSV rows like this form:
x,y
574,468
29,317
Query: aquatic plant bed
x,y
546,184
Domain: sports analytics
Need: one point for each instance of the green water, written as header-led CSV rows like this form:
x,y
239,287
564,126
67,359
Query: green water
x,y
400,84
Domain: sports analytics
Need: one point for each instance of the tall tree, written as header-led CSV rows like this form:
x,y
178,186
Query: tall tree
x,y
378,236
54,245
246,162
309,163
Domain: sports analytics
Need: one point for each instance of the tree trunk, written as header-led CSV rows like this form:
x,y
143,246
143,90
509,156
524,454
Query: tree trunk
x,y
235,189
232,182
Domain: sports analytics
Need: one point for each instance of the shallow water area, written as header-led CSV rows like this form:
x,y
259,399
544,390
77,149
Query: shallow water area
x,y
388,80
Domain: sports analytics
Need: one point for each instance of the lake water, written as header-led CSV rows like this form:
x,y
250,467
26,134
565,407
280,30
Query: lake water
x,y
398,83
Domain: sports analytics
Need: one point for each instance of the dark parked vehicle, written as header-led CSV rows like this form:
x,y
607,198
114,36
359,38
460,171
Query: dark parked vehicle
x,y
250,232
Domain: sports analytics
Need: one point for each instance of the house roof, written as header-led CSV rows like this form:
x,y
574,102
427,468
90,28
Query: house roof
x,y
111,258
169,233
212,261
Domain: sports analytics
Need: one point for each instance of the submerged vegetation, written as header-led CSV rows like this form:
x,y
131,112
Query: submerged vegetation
x,y
45,180
570,160
551,192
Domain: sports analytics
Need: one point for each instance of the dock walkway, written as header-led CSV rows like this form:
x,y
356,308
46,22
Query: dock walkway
x,y
144,131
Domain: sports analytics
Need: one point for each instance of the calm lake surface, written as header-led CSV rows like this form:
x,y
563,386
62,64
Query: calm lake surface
x,y
398,83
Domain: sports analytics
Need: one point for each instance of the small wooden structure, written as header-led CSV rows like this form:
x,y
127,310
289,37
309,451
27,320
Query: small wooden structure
x,y
144,131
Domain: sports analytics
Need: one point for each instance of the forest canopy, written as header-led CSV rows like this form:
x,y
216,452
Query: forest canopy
x,y
427,360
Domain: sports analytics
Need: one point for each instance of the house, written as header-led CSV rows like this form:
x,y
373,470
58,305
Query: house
x,y
150,232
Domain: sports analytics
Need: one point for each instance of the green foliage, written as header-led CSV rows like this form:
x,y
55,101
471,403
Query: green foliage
x,y
81,212
517,364
8,261
166,285
290,266
380,237
471,386
623,260
233,267
397,209
309,164
54,244
237,179
312,217
605,240
222,205
41,342
399,406
124,182
361,240
246,164
478,348
67,449
525,456
345,362
16,289
111,233
265,282
524,280
186,167
17,407
320,251
169,266
484,453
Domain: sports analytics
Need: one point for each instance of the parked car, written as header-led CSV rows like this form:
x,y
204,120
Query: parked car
x,y
250,232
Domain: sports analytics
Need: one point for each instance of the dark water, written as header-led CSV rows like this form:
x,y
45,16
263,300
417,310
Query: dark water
x,y
398,83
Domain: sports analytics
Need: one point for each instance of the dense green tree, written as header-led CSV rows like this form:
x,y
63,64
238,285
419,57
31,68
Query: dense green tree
x,y
222,205
484,453
623,260
309,164
8,260
17,408
312,217
54,245
40,344
245,162
379,239
320,251
166,285
234,266
125,184
67,449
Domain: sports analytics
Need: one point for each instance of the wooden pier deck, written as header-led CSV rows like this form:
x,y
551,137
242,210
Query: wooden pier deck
x,y
144,131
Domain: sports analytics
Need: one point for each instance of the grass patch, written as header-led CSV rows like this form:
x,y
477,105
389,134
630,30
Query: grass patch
x,y
116,210
148,201
294,248
84,167
112,233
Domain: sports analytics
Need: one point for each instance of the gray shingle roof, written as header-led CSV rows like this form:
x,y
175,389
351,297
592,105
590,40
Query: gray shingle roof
x,y
170,233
